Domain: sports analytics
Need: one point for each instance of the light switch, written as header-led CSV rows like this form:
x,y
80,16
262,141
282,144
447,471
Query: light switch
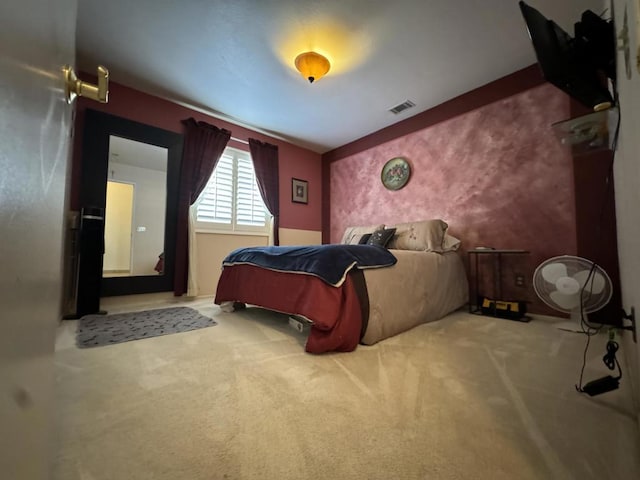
x,y
141,229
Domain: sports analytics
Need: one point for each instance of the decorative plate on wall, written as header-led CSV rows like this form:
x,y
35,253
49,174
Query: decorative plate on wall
x,y
395,173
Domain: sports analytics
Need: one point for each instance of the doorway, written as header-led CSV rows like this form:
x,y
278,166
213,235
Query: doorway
x,y
118,229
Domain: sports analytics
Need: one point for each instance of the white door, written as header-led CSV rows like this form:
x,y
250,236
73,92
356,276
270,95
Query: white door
x,y
37,37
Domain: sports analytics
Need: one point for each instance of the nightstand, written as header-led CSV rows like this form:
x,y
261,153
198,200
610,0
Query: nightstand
x,y
493,305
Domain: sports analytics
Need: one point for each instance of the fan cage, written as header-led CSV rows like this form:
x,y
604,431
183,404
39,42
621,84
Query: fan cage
x,y
590,302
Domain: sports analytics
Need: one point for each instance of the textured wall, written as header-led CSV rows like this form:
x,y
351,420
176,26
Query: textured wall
x,y
496,174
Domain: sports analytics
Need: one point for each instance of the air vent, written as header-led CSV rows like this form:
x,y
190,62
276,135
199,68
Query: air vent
x,y
402,107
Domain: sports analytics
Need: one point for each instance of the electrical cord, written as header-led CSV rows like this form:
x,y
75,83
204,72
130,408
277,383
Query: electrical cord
x,y
584,363
610,359
584,322
587,328
598,233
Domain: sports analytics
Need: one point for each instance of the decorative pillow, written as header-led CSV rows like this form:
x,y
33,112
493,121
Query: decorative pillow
x,y
364,239
426,235
381,237
352,235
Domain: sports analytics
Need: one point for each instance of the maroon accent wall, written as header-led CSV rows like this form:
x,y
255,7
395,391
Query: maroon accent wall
x,y
294,161
517,82
492,169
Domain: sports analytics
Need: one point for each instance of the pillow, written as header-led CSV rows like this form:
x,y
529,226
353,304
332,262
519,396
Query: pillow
x,y
364,239
352,235
450,243
426,235
381,237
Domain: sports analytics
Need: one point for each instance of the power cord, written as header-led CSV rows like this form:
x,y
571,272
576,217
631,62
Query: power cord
x,y
608,383
584,363
610,359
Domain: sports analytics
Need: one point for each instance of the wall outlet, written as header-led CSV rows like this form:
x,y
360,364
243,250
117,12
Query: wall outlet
x,y
519,280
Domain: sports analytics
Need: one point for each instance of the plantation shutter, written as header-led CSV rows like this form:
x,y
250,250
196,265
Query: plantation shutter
x,y
216,201
249,205
231,200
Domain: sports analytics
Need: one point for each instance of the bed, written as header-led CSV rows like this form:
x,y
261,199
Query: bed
x,y
368,304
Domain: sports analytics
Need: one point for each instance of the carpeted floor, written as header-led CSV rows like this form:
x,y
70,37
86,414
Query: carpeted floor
x,y
467,397
101,330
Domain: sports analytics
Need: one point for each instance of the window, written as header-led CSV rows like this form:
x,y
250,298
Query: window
x,y
231,200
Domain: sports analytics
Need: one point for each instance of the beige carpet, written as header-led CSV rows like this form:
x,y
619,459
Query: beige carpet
x,y
467,397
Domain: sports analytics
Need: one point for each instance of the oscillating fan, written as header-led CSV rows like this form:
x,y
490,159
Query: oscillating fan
x,y
572,285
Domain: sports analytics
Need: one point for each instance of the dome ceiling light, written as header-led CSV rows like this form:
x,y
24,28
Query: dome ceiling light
x,y
312,65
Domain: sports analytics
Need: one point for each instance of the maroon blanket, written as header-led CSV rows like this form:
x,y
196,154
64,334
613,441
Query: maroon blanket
x,y
337,312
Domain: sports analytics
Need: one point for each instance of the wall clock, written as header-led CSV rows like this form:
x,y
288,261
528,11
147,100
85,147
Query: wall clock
x,y
395,173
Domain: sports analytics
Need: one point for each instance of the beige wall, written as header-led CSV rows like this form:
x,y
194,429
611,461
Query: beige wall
x,y
213,247
627,186
290,236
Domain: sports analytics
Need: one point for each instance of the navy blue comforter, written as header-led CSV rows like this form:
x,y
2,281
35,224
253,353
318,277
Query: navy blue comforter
x,y
329,262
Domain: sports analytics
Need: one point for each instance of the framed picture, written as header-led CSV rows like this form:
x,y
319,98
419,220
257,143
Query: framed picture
x,y
395,173
299,191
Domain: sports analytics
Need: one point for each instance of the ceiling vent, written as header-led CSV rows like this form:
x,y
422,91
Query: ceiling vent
x,y
403,106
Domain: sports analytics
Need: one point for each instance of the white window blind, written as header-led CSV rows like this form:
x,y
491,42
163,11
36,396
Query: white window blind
x,y
250,208
231,199
216,201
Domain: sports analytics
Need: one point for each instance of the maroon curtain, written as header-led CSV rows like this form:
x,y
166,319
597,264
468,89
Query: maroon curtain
x,y
203,146
265,163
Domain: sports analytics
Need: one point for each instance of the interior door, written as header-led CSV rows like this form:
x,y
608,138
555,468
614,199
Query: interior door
x,y
37,37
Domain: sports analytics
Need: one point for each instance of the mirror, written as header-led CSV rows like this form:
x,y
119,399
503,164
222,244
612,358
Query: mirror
x,y
135,209
131,170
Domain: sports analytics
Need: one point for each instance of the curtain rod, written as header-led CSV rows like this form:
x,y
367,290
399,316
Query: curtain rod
x,y
246,142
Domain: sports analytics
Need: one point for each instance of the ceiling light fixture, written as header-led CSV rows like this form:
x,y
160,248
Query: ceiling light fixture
x,y
312,65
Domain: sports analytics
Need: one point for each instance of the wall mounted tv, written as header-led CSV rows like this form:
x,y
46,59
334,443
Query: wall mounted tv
x,y
578,65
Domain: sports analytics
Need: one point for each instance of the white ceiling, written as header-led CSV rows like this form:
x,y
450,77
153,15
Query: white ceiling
x,y
235,57
137,154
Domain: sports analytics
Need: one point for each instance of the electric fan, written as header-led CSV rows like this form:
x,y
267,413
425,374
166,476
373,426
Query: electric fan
x,y
572,285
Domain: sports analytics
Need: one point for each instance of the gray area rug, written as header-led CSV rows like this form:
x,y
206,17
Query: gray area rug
x,y
99,330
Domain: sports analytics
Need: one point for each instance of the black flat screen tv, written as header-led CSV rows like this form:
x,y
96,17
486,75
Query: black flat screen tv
x,y
578,66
